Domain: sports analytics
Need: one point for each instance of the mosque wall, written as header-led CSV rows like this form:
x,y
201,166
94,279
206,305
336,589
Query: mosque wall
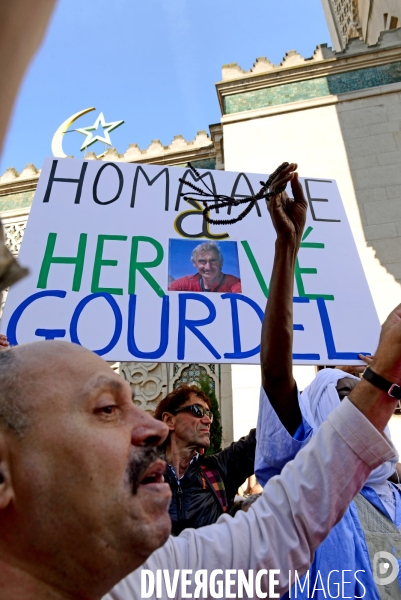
x,y
363,19
339,116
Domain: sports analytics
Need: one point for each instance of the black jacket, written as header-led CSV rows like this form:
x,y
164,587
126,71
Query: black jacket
x,y
197,504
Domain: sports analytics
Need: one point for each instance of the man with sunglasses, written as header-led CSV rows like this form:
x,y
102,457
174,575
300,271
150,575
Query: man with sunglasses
x,y
203,487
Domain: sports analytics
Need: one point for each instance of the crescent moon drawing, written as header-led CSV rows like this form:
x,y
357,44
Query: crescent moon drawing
x,y
57,141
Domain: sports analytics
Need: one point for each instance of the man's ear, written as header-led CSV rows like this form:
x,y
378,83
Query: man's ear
x,y
169,420
6,488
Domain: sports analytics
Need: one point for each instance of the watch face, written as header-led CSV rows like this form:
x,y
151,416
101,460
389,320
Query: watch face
x,y
395,391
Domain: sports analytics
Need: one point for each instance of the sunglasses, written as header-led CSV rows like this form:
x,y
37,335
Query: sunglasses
x,y
197,410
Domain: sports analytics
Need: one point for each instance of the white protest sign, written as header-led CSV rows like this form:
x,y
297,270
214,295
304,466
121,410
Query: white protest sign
x,y
105,242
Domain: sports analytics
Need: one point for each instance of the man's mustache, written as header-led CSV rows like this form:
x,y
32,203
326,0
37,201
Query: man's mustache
x,y
139,463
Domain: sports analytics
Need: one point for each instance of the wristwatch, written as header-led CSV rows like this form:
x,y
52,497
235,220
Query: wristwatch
x,y
392,389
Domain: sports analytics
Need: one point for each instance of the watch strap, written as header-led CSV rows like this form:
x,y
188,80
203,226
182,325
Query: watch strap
x,y
392,389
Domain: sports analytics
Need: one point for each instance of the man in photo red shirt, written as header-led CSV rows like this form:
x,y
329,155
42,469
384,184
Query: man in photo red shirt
x,y
208,259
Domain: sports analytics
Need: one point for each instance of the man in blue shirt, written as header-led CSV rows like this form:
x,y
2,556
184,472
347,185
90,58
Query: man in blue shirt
x,y
287,422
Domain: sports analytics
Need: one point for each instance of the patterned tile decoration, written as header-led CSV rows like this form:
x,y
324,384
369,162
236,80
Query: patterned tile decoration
x,y
13,201
207,163
314,88
345,16
192,374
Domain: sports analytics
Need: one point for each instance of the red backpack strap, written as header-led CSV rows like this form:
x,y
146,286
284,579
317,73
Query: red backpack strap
x,y
214,479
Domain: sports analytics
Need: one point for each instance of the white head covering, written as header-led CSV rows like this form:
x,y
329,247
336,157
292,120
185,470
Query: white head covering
x,y
318,400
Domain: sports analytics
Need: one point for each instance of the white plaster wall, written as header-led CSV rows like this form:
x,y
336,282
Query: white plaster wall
x,y
371,128
358,143
372,17
335,41
303,376
371,149
246,389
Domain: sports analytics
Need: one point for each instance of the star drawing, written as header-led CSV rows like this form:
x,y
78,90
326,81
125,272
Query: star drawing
x,y
105,138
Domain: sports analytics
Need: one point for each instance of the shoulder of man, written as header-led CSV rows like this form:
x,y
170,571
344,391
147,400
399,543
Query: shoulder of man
x,y
232,278
232,282
236,454
185,283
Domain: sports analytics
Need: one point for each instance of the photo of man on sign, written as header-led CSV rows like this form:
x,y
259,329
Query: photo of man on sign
x,y
207,260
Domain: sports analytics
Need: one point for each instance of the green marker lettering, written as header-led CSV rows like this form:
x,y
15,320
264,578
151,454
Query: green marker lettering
x,y
300,284
143,266
255,268
308,271
101,262
310,244
49,259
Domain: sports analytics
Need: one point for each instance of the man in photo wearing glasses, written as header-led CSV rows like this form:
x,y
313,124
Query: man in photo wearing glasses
x,y
203,487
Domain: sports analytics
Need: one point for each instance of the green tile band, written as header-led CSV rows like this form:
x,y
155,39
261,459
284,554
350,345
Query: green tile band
x,y
205,163
13,201
314,88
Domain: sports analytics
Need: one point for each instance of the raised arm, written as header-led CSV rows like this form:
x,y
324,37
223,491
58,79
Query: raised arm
x,y
288,217
375,404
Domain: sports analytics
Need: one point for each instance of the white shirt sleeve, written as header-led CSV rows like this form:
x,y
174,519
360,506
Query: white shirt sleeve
x,y
289,521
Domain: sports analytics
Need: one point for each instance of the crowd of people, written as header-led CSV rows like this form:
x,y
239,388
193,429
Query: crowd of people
x,y
91,486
